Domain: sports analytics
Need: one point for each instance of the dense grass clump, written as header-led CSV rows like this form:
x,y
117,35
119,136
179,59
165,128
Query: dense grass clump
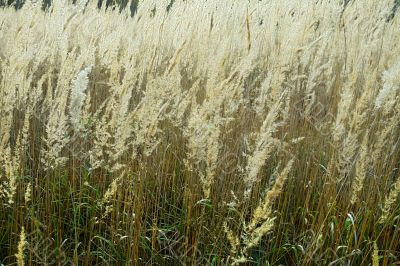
x,y
200,133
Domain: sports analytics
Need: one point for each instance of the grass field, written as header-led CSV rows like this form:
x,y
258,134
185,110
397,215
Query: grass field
x,y
214,132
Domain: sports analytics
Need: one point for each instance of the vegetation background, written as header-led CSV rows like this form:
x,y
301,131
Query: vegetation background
x,y
200,132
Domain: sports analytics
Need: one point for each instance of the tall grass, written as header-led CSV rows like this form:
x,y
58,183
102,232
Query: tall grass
x,y
200,133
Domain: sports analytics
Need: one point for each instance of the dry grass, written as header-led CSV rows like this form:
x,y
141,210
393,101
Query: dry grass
x,y
200,133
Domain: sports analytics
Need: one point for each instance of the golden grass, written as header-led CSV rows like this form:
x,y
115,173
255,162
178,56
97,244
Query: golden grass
x,y
197,133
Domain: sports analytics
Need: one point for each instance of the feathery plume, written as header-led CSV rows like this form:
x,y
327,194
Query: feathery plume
x,y
78,96
361,169
21,248
390,200
266,144
28,193
391,85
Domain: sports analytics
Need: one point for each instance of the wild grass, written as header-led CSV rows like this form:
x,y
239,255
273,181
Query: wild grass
x,y
200,133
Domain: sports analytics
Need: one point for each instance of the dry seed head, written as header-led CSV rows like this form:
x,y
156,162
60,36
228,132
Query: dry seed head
x,y
361,169
232,238
78,96
21,248
28,193
263,211
391,83
390,200
375,255
265,145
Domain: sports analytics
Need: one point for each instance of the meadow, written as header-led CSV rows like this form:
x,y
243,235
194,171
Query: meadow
x,y
213,132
